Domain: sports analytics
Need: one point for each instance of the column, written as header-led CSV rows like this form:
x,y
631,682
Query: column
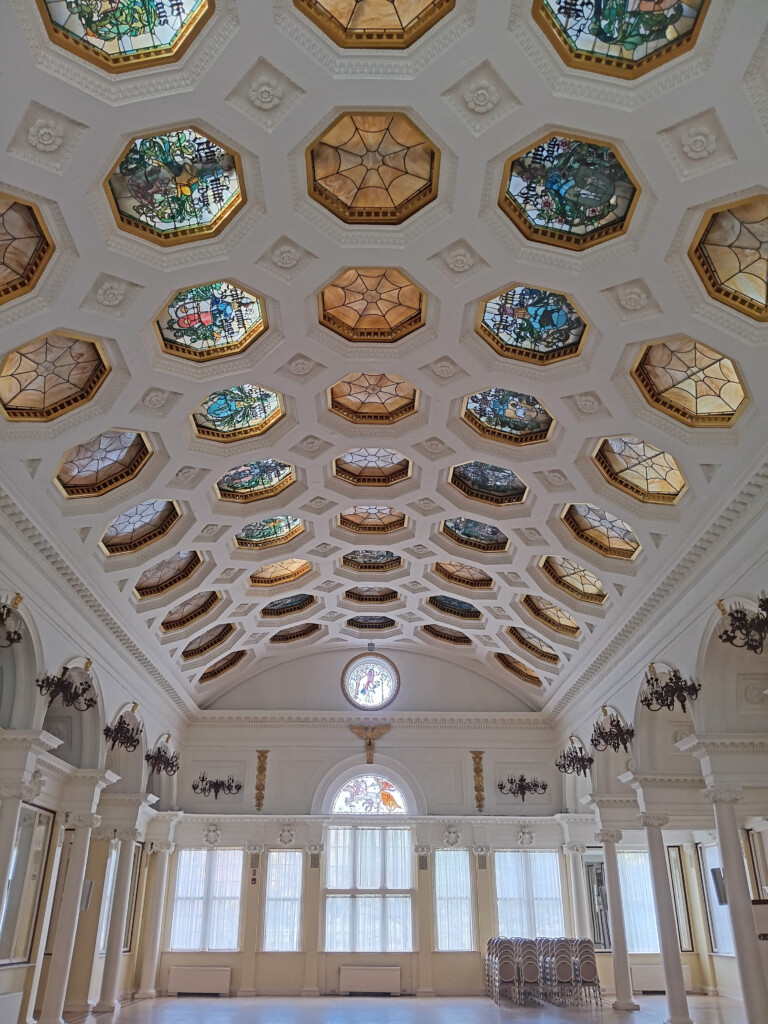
x,y
754,990
677,1001
69,908
109,998
621,976
582,924
425,910
154,914
311,908
10,808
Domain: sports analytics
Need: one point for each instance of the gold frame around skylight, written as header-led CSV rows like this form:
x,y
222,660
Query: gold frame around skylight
x,y
183,576
526,355
130,473
204,356
211,602
227,629
373,39
518,668
229,661
32,278
153,535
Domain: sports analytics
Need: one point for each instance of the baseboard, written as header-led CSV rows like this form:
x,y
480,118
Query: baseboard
x,y
243,993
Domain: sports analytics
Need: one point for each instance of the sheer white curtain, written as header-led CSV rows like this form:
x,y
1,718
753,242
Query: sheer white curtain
x,y
529,896
453,900
282,908
206,905
637,901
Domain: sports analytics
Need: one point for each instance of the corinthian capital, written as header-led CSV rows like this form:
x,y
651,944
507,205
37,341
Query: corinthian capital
x,y
609,835
648,820
722,794
161,847
75,820
574,848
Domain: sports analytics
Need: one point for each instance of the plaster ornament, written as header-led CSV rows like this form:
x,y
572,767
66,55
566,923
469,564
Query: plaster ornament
x,y
459,260
525,836
444,369
451,835
315,849
434,445
698,142
587,404
155,399
209,530
425,503
45,136
285,256
300,367
227,574
265,93
111,293
420,549
531,534
185,472
322,548
556,478
212,834
311,444
481,96
633,298
285,835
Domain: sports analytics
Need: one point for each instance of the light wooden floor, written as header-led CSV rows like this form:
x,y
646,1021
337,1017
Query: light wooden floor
x,y
404,1010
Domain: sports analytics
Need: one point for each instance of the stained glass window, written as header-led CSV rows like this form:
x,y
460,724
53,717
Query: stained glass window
x,y
255,480
518,668
602,530
168,573
371,595
288,605
50,375
104,462
474,534
175,187
25,247
392,25
625,38
372,466
266,533
531,324
369,794
463,574
211,320
573,578
370,681
637,466
218,668
372,622
208,640
551,615
140,525
372,304
447,635
245,410
376,168
507,416
373,397
123,34
372,519
492,484
371,560
291,633
453,606
729,255
189,610
533,644
280,572
568,192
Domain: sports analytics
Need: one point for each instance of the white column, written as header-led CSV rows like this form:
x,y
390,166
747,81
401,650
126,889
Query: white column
x,y
66,927
621,976
754,990
109,997
677,1001
582,924
154,912
12,796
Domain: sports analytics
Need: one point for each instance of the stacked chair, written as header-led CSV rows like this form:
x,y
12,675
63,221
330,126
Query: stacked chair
x,y
561,971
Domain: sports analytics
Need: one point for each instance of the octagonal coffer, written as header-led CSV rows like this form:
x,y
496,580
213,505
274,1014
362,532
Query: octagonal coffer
x,y
640,468
146,522
491,484
268,533
102,463
446,634
373,168
573,578
371,622
277,573
372,519
453,606
175,187
373,397
378,304
371,24
239,412
288,605
208,321
531,324
601,530
550,614
372,467
568,191
120,35
518,668
464,575
471,533
190,610
218,668
371,595
25,247
533,644
507,416
371,560
254,481
168,573
208,640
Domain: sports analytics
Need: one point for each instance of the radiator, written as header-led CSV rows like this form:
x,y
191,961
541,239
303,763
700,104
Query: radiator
x,y
199,980
369,980
650,978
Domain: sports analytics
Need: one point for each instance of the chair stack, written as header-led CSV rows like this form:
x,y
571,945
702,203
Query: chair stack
x,y
557,970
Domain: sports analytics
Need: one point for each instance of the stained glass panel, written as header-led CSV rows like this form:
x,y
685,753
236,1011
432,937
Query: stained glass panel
x,y
372,304
639,467
573,578
373,397
245,410
175,187
551,615
288,605
463,574
266,533
211,320
601,530
255,480
104,462
531,324
492,484
518,668
372,519
140,525
533,644
50,375
371,559
447,635
168,573
187,611
729,253
370,681
221,666
453,606
391,25
474,534
24,247
568,192
507,416
369,794
280,572
372,466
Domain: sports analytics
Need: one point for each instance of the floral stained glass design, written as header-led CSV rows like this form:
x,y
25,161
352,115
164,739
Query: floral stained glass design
x,y
175,187
50,376
288,605
280,572
211,320
507,416
140,525
373,397
531,324
642,469
447,635
255,480
573,578
690,381
491,484
551,615
371,560
369,794
208,640
168,573
218,668
376,168
245,410
372,304
568,192
24,247
533,644
603,531
518,668
453,606
377,467
370,681
463,574
474,534
266,533
372,519
625,38
104,462
189,610
730,254
121,34
392,25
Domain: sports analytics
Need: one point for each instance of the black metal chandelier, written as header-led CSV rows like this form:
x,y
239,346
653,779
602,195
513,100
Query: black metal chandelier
x,y
123,734
159,760
746,629
610,731
574,759
75,693
657,695
12,629
519,786
205,786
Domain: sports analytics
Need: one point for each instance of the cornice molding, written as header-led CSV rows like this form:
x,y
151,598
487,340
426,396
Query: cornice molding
x,y
412,720
707,746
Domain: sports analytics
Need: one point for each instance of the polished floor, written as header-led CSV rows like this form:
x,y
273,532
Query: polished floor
x,y
351,1010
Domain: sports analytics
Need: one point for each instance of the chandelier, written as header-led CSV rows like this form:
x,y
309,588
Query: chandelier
x,y
657,695
12,629
205,786
74,692
123,734
159,760
574,759
746,629
519,786
612,733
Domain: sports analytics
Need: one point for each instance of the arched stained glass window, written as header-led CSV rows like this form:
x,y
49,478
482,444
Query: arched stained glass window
x,y
369,794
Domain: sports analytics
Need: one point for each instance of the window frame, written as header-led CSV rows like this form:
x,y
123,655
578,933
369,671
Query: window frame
x,y
38,881
471,899
680,898
207,900
705,881
107,896
528,896
299,947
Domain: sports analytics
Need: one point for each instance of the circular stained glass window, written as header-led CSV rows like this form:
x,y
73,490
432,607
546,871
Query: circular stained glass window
x,y
370,682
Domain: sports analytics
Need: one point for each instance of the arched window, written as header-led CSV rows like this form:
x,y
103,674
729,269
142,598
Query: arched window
x,y
369,794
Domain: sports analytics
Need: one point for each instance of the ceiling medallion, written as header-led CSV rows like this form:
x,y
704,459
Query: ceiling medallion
x,y
246,410
371,24
189,611
25,247
208,321
491,484
601,530
254,481
103,463
138,526
568,192
473,534
531,324
288,605
550,614
507,416
447,635
372,519
221,666
376,304
636,466
373,398
573,578
280,572
168,573
373,168
377,467
267,533
518,668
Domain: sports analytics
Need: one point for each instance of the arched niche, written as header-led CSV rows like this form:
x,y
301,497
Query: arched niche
x,y
577,786
609,764
657,732
19,667
80,732
386,767
160,784
128,764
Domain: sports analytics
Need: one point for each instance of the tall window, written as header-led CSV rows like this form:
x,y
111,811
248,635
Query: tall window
x,y
720,932
453,900
637,901
282,908
206,904
107,895
369,890
529,896
27,868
